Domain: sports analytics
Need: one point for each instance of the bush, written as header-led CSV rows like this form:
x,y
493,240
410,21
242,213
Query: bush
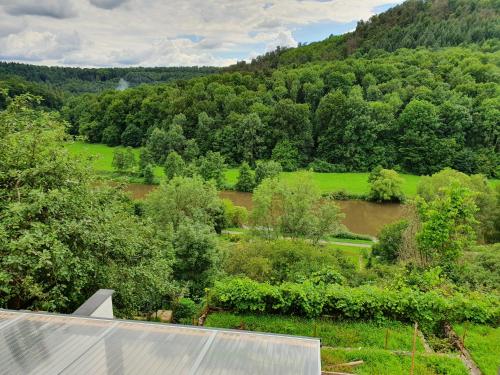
x,y
246,179
361,303
390,241
184,311
322,166
287,155
266,169
385,186
234,216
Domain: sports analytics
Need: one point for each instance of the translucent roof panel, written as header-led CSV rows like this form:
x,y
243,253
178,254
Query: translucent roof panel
x,y
32,343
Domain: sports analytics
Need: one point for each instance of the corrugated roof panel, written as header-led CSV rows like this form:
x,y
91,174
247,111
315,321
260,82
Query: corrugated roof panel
x,y
58,344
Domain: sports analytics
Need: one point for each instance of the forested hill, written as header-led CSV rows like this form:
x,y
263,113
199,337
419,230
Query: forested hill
x,y
81,80
415,23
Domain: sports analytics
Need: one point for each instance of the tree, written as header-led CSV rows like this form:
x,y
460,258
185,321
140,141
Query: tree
x,y
434,186
447,225
183,198
174,165
123,159
158,145
196,255
246,179
266,169
212,167
148,174
386,186
287,155
131,136
62,235
294,209
111,136
390,241
191,151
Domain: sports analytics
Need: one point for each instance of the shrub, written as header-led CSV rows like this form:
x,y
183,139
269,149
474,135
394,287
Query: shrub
x,y
322,166
365,302
385,186
234,216
246,179
184,310
287,155
390,241
266,169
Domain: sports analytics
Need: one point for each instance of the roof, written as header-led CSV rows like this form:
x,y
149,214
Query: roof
x,y
40,343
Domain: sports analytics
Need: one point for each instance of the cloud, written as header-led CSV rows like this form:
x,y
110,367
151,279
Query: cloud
x,y
170,33
36,46
48,8
108,4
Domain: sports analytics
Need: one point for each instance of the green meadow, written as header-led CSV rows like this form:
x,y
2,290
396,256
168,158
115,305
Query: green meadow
x,y
352,183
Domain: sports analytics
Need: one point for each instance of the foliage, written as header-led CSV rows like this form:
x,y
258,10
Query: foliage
x,y
123,159
361,303
61,237
235,216
266,169
487,203
385,186
181,199
282,260
184,310
246,179
390,241
212,167
294,209
196,255
286,155
174,165
148,174
447,225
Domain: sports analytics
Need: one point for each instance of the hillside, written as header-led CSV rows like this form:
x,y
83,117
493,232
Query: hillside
x,y
415,23
81,80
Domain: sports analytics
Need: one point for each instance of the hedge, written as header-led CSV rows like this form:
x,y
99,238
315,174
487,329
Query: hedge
x,y
365,302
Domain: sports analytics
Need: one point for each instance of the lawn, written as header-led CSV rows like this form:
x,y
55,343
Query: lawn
x,y
483,343
334,334
378,361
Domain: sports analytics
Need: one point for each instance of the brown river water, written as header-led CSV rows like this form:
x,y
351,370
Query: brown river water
x,y
360,216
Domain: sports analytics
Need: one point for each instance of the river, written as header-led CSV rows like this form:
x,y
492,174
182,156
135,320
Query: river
x,y
360,216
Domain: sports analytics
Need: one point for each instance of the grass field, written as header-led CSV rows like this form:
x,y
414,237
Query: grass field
x,y
350,341
378,361
335,334
483,343
351,183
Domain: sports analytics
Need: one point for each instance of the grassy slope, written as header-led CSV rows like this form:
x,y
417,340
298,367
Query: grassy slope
x,y
366,341
483,343
353,183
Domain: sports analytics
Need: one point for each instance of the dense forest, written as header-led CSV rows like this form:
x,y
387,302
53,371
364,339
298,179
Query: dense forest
x,y
415,23
417,111
81,80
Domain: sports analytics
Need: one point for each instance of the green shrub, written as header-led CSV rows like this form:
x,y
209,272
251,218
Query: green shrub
x,y
184,310
234,216
390,241
361,303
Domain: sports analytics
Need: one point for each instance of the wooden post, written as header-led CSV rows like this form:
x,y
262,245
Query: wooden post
x,y
413,350
386,338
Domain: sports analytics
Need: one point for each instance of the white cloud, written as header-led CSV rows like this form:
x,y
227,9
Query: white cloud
x,y
160,32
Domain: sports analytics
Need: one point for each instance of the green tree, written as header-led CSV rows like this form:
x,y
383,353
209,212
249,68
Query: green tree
x,y
123,159
148,174
390,241
386,186
196,255
174,165
287,155
61,236
183,198
131,136
266,169
447,225
212,167
246,179
294,209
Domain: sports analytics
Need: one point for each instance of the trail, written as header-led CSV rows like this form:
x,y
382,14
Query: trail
x,y
352,244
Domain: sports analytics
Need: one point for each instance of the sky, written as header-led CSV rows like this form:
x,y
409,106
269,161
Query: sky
x,y
102,33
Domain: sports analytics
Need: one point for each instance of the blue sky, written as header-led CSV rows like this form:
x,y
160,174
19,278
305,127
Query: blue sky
x,y
168,33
